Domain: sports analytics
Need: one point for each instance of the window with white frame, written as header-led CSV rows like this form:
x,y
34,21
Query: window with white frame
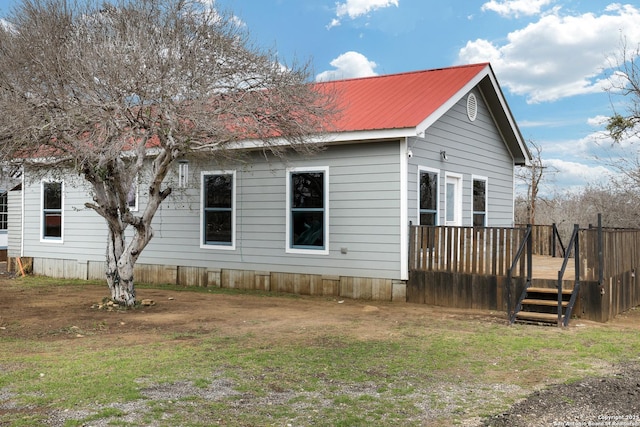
x,y
307,206
479,202
52,210
218,206
428,192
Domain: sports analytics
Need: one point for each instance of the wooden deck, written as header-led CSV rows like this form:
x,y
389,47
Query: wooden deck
x,y
547,267
468,267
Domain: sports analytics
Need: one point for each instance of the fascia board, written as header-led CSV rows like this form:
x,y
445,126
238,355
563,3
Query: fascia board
x,y
330,138
512,124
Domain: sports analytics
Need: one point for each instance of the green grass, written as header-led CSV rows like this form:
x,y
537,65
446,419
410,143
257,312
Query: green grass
x,y
324,378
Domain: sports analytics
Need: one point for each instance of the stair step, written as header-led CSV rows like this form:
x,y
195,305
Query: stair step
x,y
546,302
532,289
537,317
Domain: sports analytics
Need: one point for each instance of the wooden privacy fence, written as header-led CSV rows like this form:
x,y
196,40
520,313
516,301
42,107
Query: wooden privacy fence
x,y
609,252
609,259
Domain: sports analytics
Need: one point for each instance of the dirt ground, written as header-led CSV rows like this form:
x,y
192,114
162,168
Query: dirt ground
x,y
47,313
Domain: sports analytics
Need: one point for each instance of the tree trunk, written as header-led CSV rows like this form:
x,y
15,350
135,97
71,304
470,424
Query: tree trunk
x,y
119,270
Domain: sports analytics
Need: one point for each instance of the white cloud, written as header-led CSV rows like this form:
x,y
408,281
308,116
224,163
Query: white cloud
x,y
597,121
516,8
209,7
356,8
578,174
349,64
558,56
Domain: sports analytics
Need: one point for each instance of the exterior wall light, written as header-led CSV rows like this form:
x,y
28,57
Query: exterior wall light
x,y
443,155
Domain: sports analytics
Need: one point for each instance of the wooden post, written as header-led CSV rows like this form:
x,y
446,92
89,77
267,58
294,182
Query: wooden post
x,y
529,257
600,253
20,265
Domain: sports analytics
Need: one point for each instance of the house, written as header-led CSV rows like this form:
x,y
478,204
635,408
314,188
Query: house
x,y
426,147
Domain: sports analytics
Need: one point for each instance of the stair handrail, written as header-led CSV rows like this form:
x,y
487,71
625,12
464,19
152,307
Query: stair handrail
x,y
556,238
574,243
526,242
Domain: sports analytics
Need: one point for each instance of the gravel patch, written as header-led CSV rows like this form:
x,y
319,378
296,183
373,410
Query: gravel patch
x,y
604,401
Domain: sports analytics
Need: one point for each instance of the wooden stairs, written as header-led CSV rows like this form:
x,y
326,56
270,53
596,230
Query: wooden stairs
x,y
544,305
540,306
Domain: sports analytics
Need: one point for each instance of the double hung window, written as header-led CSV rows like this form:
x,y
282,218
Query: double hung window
x,y
218,203
52,210
428,197
479,202
307,210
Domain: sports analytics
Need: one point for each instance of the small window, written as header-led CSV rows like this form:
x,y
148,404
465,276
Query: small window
x,y
479,202
218,219
52,210
307,217
428,198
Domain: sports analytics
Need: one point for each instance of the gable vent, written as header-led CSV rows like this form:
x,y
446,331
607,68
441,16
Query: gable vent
x,y
472,107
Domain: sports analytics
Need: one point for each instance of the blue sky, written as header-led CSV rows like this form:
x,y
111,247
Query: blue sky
x,y
552,58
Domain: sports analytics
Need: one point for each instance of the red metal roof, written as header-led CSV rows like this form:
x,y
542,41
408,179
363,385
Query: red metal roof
x,y
397,101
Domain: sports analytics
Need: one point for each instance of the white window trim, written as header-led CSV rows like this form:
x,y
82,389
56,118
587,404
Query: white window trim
x,y
486,197
203,245
458,203
289,249
437,172
44,239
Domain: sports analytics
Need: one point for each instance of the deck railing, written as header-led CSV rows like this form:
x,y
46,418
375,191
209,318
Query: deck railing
x,y
546,240
607,264
472,250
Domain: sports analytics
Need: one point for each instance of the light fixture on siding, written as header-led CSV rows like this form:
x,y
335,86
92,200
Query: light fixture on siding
x,y
443,155
183,174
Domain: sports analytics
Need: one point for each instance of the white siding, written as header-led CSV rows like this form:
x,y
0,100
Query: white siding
x,y
364,203
83,230
14,223
364,208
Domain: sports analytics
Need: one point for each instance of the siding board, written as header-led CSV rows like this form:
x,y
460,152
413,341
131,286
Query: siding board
x,y
364,217
473,148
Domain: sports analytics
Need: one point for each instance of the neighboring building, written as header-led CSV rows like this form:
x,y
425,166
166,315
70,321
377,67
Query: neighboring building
x,y
427,147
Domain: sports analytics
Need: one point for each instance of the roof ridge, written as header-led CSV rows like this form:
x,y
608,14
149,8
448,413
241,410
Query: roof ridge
x,y
404,73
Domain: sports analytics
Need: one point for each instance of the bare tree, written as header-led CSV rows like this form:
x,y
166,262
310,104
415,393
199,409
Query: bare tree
x,y
625,82
532,176
106,87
